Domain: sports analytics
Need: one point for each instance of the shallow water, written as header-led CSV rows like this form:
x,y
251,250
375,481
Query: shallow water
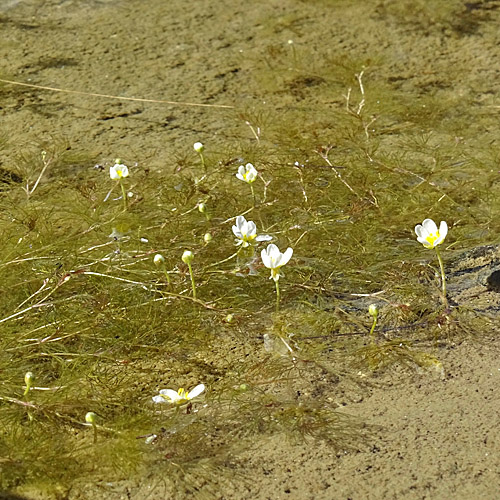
x,y
362,120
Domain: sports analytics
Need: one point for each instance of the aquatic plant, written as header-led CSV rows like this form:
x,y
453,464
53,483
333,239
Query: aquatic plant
x,y
430,236
94,320
273,259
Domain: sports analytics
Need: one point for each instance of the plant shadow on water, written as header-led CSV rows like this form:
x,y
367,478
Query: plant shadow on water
x,y
102,328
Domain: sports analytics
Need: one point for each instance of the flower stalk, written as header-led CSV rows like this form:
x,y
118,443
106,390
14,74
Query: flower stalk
x,y
187,258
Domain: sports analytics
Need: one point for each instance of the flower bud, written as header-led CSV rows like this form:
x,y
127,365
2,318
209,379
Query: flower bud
x,y
202,207
207,238
187,257
159,260
373,310
90,418
198,147
29,378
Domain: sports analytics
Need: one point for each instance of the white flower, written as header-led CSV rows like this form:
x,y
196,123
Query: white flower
x,y
198,147
118,171
246,232
180,397
429,235
247,173
273,259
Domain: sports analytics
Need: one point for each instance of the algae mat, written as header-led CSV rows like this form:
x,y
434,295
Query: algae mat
x,y
362,118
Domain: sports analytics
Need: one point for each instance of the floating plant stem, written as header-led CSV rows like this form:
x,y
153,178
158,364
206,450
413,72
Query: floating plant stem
x,y
443,277
124,195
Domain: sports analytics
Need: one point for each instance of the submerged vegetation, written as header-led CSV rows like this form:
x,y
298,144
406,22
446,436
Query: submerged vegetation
x,y
103,305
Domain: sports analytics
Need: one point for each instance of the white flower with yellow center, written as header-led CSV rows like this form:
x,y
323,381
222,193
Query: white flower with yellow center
x,y
246,232
118,171
180,397
247,173
273,259
429,235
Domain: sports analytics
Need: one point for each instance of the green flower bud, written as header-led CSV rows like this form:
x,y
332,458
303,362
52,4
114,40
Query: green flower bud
x,y
373,310
90,418
159,260
187,257
29,378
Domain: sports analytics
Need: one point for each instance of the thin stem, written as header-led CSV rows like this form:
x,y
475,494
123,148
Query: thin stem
x,y
253,194
443,277
124,195
192,280
167,276
203,164
277,295
373,328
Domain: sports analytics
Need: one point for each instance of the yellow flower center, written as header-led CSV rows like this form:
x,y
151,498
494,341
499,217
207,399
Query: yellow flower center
x,y
432,238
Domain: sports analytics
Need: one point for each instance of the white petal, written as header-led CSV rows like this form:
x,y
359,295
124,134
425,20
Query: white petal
x,y
419,230
266,260
240,221
113,174
159,399
287,256
196,391
430,226
237,232
443,230
170,394
251,228
263,237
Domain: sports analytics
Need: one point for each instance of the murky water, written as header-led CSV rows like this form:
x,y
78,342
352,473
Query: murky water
x,y
361,120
